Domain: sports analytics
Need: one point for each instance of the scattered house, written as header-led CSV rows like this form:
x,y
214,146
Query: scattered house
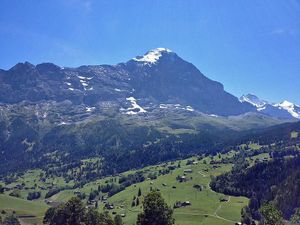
x,y
122,214
195,162
188,171
109,206
7,188
224,199
151,182
164,184
182,179
198,187
186,203
180,204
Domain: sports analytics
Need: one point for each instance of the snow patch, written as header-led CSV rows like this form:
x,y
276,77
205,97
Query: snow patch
x,y
135,109
152,56
189,108
89,109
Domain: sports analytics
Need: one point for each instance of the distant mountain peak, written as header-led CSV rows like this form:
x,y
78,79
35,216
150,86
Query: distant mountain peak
x,y
152,56
286,103
253,100
284,109
292,108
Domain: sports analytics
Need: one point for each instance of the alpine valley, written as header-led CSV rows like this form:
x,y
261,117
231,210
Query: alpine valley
x,y
106,141
104,109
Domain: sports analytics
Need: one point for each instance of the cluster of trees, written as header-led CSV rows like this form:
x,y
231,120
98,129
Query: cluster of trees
x,y
136,200
270,215
73,212
10,219
277,181
33,195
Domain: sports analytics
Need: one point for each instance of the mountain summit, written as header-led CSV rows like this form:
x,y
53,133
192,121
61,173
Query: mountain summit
x,y
283,110
152,56
158,80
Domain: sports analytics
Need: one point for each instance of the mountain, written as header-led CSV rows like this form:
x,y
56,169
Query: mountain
x,y
152,108
144,82
283,110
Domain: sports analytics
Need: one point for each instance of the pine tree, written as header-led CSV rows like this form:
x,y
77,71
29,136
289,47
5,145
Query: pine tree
x,y
139,192
155,211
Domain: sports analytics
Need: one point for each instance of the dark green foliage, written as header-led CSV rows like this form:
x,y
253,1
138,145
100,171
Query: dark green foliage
x,y
11,220
139,192
295,219
155,211
34,195
271,215
111,188
15,193
277,180
133,203
73,212
246,216
93,195
52,192
118,220
93,217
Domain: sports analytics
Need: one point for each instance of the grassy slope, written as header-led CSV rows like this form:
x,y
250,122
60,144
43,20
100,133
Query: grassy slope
x,y
206,208
24,207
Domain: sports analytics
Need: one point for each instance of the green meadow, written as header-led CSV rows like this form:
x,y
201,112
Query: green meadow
x,y
206,206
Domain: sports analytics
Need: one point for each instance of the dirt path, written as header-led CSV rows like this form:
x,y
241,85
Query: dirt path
x,y
215,214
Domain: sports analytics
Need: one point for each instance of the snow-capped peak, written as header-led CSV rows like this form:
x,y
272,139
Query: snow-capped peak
x,y
293,109
152,56
286,104
253,100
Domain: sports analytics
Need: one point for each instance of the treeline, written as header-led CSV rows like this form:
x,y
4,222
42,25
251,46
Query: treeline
x,y
276,181
121,147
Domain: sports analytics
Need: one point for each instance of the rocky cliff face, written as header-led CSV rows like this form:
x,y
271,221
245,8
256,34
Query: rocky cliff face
x,y
158,77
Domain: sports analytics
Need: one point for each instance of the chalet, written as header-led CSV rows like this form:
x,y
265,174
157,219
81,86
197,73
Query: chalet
x,y
186,203
182,179
179,204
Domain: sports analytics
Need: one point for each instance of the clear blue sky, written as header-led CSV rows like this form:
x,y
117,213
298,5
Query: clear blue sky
x,y
250,46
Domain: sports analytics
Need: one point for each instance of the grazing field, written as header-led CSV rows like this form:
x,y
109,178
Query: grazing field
x,y
187,181
206,206
29,212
